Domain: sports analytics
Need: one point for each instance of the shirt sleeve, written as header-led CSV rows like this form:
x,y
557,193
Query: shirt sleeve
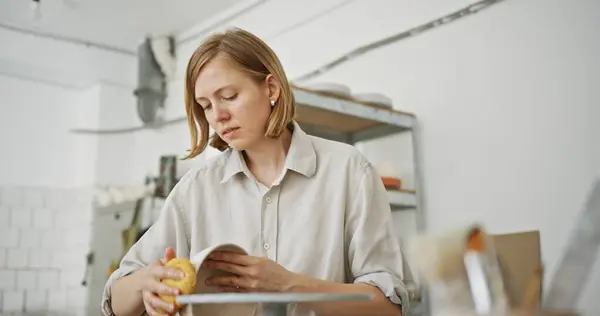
x,y
169,231
374,253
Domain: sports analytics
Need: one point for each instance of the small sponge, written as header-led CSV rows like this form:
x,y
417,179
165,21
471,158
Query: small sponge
x,y
187,284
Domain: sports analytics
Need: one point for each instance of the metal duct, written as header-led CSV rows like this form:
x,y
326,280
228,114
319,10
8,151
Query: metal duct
x,y
151,91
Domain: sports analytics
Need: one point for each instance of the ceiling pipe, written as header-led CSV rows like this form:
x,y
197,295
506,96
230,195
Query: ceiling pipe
x,y
66,39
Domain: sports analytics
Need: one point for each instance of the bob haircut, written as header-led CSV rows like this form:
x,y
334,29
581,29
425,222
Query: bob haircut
x,y
254,58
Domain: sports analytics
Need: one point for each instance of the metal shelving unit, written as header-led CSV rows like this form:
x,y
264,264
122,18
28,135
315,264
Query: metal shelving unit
x,y
351,121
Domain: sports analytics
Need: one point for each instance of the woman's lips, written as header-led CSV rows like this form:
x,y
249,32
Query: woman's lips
x,y
230,132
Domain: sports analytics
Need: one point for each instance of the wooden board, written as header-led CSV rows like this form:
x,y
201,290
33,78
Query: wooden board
x,y
331,120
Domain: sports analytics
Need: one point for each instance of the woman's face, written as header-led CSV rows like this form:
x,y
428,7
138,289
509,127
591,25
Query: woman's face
x,y
236,107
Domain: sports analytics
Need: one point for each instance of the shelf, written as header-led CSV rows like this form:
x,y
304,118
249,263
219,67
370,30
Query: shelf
x,y
350,121
344,119
400,200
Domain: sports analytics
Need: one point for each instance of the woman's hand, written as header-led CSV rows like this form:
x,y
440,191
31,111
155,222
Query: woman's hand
x,y
152,287
250,274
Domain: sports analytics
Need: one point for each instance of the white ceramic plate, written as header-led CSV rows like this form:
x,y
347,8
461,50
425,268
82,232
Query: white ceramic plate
x,y
376,98
224,309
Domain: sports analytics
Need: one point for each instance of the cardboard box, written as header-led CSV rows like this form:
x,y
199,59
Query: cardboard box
x,y
520,258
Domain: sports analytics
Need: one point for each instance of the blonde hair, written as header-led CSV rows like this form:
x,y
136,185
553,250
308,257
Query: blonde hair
x,y
256,59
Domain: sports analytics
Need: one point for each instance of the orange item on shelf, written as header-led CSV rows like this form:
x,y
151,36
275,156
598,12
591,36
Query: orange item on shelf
x,y
391,183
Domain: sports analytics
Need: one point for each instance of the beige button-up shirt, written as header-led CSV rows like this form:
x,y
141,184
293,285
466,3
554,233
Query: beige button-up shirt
x,y
327,217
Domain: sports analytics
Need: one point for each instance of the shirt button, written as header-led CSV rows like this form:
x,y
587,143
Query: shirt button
x,y
266,246
268,199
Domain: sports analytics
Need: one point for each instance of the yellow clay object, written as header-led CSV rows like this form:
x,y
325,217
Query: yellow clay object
x,y
187,284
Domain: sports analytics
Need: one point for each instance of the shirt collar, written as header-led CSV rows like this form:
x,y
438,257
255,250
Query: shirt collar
x,y
301,157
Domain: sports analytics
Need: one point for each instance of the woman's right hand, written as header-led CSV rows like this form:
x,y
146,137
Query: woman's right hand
x,y
152,286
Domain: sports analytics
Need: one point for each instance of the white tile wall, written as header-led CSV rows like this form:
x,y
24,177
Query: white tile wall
x,y
8,279
2,257
9,237
13,300
36,300
26,280
4,218
44,239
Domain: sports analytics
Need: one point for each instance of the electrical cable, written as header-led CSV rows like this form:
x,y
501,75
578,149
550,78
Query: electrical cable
x,y
448,18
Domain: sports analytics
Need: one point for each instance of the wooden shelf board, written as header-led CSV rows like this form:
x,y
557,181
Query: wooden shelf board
x,y
402,200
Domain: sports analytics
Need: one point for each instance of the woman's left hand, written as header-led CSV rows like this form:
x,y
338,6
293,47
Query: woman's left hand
x,y
250,274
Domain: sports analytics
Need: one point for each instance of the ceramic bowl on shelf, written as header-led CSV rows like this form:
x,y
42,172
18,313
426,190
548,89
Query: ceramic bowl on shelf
x,y
375,98
333,88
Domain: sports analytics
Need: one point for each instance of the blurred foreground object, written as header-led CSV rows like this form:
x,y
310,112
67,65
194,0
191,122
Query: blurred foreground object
x,y
470,272
577,260
454,263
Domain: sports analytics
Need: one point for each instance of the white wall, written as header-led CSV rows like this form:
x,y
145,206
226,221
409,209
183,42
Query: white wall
x,y
126,159
33,137
48,87
47,173
69,64
506,99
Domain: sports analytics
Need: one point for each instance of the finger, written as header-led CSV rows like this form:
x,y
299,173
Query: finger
x,y
156,311
161,306
157,287
230,280
161,272
226,266
154,305
151,311
169,254
231,289
233,257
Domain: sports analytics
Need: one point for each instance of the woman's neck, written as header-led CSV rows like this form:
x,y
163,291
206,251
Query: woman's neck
x,y
266,161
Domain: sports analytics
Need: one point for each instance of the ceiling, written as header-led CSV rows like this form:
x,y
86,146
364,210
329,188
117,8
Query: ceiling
x,y
120,24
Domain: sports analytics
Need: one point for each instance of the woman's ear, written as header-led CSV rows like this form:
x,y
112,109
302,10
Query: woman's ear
x,y
273,87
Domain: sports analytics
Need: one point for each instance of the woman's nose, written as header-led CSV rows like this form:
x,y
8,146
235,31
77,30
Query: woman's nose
x,y
221,114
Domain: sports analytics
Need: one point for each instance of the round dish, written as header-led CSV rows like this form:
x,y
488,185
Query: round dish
x,y
272,304
201,288
274,298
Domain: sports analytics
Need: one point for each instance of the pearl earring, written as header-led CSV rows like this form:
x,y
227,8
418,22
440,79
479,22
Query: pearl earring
x,y
272,102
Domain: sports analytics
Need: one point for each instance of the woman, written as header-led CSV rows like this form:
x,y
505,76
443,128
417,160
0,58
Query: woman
x,y
312,213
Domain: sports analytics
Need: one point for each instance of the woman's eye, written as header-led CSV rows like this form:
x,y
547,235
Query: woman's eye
x,y
229,98
205,107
